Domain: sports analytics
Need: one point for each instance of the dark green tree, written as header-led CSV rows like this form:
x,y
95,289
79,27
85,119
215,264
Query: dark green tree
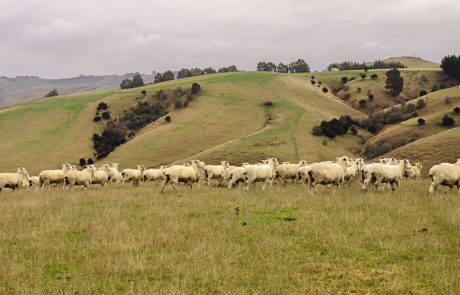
x,y
299,66
184,73
158,78
209,70
451,66
52,93
126,84
394,82
137,80
168,75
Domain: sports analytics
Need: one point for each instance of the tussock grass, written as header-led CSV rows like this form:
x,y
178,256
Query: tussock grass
x,y
127,239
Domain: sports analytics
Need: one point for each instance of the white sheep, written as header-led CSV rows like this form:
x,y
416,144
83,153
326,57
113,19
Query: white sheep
x,y
445,174
75,177
14,181
152,174
264,172
100,176
414,172
48,177
133,175
287,171
180,173
237,175
353,171
379,173
328,173
216,172
34,182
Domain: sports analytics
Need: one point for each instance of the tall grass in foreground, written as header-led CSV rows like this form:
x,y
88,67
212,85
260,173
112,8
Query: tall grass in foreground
x,y
135,240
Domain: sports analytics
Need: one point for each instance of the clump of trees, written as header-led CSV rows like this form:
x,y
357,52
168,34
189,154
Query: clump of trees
x,y
298,66
136,117
451,66
52,93
137,81
335,127
163,77
394,82
231,68
352,65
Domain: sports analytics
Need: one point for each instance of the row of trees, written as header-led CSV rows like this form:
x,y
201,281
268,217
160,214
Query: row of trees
x,y
137,81
352,65
193,72
299,66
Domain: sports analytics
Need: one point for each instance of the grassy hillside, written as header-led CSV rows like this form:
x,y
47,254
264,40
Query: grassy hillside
x,y
227,120
121,239
414,62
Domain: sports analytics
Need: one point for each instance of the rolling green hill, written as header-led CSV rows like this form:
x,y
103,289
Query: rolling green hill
x,y
227,120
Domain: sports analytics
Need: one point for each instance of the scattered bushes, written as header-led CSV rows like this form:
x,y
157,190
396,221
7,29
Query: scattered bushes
x,y
344,80
380,147
422,93
363,76
195,88
334,127
325,90
97,119
106,116
313,82
456,110
52,93
358,90
267,103
421,121
102,106
82,162
168,119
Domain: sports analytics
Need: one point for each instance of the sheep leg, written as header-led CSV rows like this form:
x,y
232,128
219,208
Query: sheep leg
x,y
165,181
433,186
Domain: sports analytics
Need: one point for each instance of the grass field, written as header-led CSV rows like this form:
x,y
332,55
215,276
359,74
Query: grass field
x,y
134,240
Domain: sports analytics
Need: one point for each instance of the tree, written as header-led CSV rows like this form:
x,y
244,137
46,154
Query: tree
x,y
126,84
371,97
102,106
363,76
158,78
451,66
456,110
97,119
195,88
421,121
447,121
325,90
184,73
282,68
52,93
137,80
422,93
394,82
168,119
374,76
209,70
197,72
363,103
299,66
89,161
106,115
168,75
344,80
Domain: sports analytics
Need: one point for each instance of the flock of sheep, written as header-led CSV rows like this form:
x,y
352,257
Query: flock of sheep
x,y
387,172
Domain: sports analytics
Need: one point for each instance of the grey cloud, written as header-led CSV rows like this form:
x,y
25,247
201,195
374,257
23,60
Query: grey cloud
x,y
65,38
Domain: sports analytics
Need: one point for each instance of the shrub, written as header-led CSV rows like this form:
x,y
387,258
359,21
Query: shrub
x,y
126,84
447,101
422,93
447,121
372,129
195,88
185,104
312,82
410,108
374,76
106,115
325,90
312,77
336,89
435,88
421,121
90,161
344,80
354,131
267,103
358,90
143,92
371,97
82,162
319,82
456,110
97,119
52,93
420,104
102,106
189,97
168,119
363,76
363,103
317,131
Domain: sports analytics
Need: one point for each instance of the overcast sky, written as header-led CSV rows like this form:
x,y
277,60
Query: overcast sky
x,y
62,38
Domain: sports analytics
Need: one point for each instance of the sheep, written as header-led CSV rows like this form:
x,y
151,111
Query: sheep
x,y
16,180
34,182
236,175
286,170
153,174
227,175
265,172
48,177
216,171
100,176
180,173
114,176
134,175
414,172
83,177
328,173
353,171
445,174
302,174
385,173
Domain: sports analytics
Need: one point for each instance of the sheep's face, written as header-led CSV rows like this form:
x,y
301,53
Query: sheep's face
x,y
225,164
407,164
303,163
344,161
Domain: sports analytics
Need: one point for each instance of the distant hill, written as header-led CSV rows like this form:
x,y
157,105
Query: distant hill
x,y
412,62
24,88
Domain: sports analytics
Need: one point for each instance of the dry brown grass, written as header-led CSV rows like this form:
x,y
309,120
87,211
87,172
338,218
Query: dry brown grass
x,y
135,240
